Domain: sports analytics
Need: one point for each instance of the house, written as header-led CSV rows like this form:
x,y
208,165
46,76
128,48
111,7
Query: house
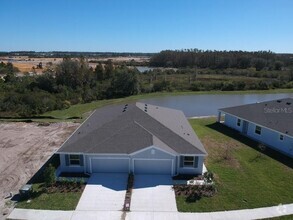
x,y
138,138
270,123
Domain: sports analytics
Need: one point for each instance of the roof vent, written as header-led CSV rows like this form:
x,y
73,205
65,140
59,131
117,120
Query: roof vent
x,y
125,107
279,101
288,103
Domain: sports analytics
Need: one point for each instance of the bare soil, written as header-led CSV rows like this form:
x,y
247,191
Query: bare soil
x,y
26,64
24,148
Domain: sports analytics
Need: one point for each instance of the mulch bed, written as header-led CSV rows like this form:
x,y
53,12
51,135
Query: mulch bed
x,y
60,187
127,200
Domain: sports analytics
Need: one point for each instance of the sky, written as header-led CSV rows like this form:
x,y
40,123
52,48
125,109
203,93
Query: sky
x,y
146,25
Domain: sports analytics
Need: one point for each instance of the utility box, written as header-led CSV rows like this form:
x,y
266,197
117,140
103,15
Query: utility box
x,y
25,191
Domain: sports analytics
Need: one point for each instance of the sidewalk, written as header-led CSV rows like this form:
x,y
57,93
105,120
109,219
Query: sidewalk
x,y
244,214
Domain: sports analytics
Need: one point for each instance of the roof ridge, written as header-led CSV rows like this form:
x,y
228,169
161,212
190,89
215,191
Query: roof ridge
x,y
174,133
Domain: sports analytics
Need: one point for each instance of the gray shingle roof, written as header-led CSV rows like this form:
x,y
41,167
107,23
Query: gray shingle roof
x,y
124,129
276,115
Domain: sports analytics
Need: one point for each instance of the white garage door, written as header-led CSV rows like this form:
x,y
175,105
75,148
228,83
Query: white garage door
x,y
152,166
105,165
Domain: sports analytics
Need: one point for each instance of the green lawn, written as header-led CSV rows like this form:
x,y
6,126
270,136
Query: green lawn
x,y
247,179
82,110
51,201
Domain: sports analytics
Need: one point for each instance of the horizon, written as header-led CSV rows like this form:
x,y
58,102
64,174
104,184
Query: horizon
x,y
61,51
146,26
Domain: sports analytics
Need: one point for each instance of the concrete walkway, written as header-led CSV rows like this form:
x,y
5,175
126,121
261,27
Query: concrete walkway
x,y
245,214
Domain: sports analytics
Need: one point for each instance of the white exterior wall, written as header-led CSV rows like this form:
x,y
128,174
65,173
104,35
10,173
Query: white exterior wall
x,y
148,154
231,121
268,137
192,170
272,139
70,168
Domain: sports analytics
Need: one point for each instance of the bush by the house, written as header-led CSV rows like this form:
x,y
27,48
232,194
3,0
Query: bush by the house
x,y
192,193
49,175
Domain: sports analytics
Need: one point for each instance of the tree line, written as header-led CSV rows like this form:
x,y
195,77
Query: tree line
x,y
72,82
221,59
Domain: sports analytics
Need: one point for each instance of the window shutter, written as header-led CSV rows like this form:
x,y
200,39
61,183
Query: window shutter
x,y
67,160
81,159
181,161
195,162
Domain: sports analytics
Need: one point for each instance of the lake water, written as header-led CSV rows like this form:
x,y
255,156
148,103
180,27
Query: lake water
x,y
206,105
143,68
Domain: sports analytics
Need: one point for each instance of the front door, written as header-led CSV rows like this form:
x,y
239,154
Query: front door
x,y
244,127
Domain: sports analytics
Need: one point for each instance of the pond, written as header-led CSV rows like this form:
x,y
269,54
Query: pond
x,y
207,105
143,69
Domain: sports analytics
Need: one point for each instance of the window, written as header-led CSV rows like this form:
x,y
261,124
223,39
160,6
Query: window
x,y
281,137
74,159
188,161
258,130
238,122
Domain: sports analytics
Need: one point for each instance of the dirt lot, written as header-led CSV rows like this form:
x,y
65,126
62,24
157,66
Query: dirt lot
x,y
24,148
26,64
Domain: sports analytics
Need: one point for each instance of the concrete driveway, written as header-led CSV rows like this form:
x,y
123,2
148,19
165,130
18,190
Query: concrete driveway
x,y
104,192
153,193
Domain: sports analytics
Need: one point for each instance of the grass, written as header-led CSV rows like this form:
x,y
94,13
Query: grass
x,y
247,179
83,110
51,201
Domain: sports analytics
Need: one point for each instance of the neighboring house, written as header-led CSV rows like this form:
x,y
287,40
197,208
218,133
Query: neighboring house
x,y
138,138
270,123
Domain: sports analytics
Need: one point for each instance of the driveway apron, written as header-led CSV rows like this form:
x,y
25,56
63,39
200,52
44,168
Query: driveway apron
x,y
104,192
153,193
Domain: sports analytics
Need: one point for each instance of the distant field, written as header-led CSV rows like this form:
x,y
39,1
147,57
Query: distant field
x,y
25,64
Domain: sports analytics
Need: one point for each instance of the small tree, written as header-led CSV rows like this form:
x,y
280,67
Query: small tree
x,y
49,175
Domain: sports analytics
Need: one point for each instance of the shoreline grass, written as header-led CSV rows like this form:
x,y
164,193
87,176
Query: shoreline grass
x,y
83,110
80,110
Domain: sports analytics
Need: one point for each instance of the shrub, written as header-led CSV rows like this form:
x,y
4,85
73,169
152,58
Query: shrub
x,y
49,175
193,193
